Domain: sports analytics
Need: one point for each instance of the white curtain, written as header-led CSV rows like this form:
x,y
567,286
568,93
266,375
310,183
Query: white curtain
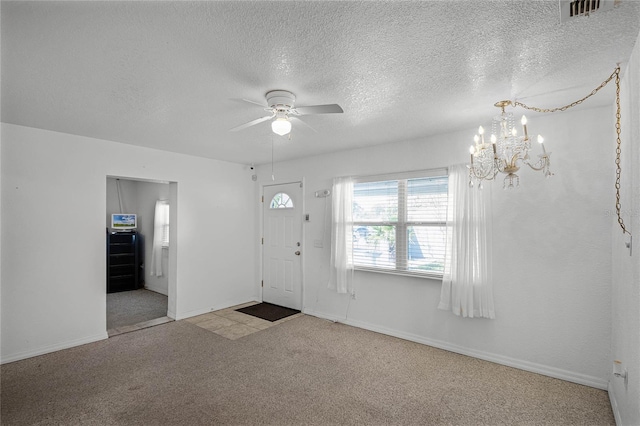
x,y
160,224
342,236
467,283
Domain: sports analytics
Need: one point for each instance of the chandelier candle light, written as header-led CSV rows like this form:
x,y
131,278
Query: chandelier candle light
x,y
508,152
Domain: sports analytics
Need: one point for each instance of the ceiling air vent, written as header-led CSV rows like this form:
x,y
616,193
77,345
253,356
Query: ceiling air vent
x,y
573,8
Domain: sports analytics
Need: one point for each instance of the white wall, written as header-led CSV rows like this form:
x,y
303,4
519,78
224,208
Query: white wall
x,y
625,334
53,247
552,242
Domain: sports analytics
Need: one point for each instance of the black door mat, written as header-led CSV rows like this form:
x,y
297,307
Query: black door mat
x,y
268,311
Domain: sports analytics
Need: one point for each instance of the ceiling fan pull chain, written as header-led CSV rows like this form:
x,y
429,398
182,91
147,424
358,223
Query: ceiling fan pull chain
x,y
273,176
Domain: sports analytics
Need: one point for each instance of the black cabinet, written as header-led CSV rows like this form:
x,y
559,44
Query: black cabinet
x,y
122,261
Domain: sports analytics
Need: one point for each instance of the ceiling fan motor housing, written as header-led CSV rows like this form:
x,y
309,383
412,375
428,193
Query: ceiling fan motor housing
x,y
280,99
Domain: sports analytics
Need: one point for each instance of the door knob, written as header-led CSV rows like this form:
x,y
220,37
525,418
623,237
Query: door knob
x,y
297,253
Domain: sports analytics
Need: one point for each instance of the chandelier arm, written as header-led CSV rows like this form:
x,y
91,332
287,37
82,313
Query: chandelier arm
x,y
540,165
615,74
514,159
488,175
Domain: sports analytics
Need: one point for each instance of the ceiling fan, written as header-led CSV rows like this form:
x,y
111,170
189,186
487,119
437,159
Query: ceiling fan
x,y
280,105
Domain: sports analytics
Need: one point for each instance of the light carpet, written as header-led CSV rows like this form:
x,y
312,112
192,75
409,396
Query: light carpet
x,y
306,371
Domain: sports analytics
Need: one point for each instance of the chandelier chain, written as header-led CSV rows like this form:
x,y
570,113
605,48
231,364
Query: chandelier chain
x,y
615,74
618,151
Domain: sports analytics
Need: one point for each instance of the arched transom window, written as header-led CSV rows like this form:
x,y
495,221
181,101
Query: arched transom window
x,y
281,201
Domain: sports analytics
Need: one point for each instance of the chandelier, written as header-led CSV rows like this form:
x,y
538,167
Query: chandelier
x,y
506,151
508,148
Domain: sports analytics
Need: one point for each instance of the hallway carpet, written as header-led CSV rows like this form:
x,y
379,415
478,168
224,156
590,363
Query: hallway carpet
x,y
135,306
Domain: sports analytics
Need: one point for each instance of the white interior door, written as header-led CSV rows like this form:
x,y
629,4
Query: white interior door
x,y
281,254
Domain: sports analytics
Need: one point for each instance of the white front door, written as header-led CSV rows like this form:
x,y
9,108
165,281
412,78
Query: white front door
x,y
282,250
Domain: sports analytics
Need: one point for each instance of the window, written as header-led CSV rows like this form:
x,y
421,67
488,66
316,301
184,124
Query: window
x,y
165,228
164,223
399,223
160,236
281,201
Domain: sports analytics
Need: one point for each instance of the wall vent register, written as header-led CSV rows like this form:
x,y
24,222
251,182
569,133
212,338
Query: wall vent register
x,y
576,8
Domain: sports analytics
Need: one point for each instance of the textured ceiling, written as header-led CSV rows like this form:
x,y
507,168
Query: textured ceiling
x,y
170,75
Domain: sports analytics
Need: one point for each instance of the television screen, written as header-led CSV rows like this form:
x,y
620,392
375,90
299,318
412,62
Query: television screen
x,y
124,221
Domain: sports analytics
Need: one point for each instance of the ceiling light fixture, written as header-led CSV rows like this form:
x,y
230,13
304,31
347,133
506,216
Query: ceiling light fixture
x,y
281,125
282,110
508,148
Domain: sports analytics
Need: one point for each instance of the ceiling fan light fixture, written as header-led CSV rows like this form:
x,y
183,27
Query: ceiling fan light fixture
x,y
281,126
281,108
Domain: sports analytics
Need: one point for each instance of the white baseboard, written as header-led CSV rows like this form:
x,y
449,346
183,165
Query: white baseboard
x,y
570,376
614,405
160,290
70,344
54,348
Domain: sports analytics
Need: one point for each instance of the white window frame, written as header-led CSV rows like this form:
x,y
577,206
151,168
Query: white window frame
x,y
402,224
279,204
165,225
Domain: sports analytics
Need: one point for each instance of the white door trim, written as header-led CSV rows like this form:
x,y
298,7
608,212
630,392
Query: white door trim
x,y
261,234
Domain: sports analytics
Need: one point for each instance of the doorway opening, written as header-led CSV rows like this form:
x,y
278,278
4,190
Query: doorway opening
x,y
140,225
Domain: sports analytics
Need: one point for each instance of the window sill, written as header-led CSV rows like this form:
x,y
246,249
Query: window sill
x,y
433,277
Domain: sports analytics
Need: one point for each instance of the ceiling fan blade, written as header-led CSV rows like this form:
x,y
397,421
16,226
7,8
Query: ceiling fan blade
x,y
251,123
298,119
319,109
255,103
242,101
